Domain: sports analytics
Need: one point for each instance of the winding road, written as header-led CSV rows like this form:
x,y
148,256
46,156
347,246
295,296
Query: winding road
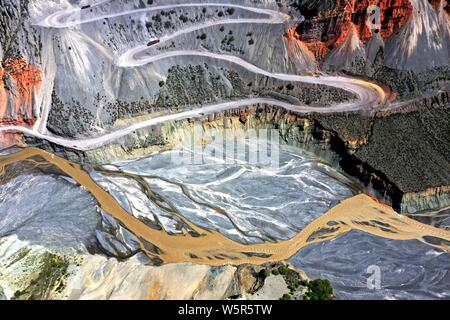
x,y
369,95
72,17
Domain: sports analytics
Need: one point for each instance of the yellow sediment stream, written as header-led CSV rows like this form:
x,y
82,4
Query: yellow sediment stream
x,y
360,212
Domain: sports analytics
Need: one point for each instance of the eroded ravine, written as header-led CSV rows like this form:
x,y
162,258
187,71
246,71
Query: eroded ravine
x,y
360,212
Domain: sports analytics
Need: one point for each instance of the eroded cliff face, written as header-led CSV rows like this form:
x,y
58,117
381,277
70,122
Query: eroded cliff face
x,y
411,39
326,28
20,74
19,83
298,51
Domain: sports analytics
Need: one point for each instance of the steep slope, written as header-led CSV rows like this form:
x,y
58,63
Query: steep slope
x,y
56,77
409,51
90,86
299,52
20,76
19,82
444,21
416,32
422,44
327,23
350,55
373,47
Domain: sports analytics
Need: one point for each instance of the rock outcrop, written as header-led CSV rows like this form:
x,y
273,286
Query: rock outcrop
x,y
20,75
182,281
19,83
298,51
328,23
32,272
416,32
350,55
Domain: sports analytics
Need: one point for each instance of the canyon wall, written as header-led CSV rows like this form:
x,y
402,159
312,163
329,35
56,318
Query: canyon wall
x,y
326,27
19,83
397,156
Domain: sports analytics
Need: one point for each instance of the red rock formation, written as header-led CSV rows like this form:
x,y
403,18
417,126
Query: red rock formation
x,y
327,30
8,139
19,82
298,51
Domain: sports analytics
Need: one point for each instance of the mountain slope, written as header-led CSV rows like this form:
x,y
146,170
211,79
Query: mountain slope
x,y
349,55
422,43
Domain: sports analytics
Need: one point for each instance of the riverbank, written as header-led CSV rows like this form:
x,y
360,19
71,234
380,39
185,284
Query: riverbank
x,y
375,148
